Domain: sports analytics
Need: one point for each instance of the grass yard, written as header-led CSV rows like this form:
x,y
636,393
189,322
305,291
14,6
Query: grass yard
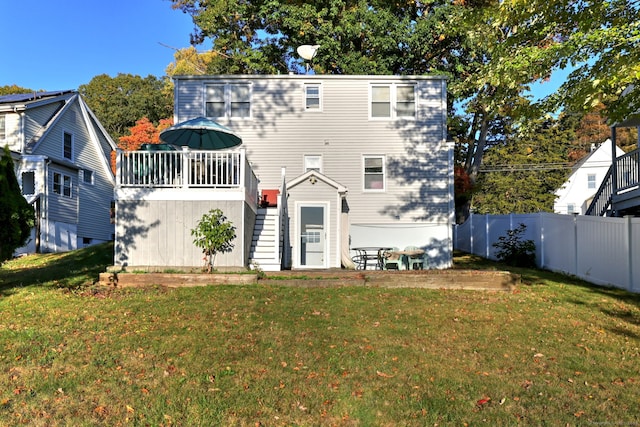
x,y
553,352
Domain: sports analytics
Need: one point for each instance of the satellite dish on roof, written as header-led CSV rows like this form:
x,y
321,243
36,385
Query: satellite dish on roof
x,y
307,51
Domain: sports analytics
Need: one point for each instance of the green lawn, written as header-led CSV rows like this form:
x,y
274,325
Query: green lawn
x,y
555,351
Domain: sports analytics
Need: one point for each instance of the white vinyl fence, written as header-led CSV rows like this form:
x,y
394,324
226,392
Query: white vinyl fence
x,y
603,251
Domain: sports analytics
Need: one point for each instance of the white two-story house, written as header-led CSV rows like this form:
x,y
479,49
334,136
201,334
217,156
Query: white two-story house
x,y
62,156
587,175
348,161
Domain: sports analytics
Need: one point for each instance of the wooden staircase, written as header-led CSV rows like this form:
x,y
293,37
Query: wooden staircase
x,y
266,244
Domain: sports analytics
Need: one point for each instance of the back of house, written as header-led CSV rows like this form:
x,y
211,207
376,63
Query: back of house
x,y
365,158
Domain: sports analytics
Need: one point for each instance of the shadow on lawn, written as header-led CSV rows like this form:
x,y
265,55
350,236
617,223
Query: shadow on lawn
x,y
66,270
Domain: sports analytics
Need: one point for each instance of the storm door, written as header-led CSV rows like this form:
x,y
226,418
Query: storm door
x,y
312,236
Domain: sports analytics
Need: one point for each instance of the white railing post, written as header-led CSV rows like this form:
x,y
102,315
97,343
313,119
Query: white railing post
x,y
118,167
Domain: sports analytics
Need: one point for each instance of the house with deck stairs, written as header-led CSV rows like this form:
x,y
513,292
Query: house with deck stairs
x,y
619,193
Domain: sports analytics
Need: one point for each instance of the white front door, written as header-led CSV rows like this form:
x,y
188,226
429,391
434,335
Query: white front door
x,y
312,236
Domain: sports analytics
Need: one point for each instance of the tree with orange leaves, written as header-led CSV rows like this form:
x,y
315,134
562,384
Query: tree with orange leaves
x,y
144,132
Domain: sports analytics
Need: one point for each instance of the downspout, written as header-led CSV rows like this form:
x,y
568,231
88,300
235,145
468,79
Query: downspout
x,y
45,207
345,256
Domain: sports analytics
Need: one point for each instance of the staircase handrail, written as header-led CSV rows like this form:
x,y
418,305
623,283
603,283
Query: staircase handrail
x,y
602,199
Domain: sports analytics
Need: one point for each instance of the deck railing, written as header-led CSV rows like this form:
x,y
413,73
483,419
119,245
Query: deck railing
x,y
628,171
186,169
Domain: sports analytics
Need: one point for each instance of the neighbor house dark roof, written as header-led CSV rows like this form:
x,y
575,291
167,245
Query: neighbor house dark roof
x,y
31,96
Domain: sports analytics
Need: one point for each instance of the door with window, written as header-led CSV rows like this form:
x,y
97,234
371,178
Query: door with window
x,y
312,235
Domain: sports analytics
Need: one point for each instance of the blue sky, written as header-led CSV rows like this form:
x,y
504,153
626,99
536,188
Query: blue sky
x,y
62,44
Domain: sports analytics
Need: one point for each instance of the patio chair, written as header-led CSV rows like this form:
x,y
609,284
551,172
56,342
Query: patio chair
x,y
414,262
391,260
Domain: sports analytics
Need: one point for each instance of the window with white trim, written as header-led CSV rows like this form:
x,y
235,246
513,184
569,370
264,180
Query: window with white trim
x,y
67,150
373,173
392,101
571,208
28,182
87,176
3,129
591,181
312,97
312,162
61,184
228,100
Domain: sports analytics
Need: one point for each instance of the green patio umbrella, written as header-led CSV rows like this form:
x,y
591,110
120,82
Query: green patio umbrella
x,y
200,134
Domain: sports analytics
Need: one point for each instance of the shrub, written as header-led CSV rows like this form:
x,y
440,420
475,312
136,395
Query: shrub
x,y
213,234
515,251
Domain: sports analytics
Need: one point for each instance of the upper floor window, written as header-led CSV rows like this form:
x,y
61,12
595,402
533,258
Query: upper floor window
x,y
228,100
3,131
62,184
571,208
392,101
591,181
373,171
313,162
87,176
312,97
67,151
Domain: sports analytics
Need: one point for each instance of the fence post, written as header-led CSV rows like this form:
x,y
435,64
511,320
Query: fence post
x,y
541,217
629,243
576,258
486,236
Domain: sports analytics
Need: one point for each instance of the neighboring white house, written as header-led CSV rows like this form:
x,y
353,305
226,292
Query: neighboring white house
x,y
62,156
576,193
358,161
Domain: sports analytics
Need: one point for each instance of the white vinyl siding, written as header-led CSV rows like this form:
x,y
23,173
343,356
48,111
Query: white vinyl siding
x,y
228,101
415,153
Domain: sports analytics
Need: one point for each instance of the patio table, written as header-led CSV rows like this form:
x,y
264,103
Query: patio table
x,y
366,254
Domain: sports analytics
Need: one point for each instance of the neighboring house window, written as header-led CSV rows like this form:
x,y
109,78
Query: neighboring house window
x,y
87,176
62,184
393,101
591,181
571,208
313,163
67,146
312,97
228,100
373,172
28,182
3,131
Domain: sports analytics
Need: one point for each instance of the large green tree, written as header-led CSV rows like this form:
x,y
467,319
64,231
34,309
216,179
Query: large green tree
x,y
522,174
16,215
120,101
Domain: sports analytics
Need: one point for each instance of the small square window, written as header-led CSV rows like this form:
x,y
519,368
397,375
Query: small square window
x,y
87,176
313,163
374,173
